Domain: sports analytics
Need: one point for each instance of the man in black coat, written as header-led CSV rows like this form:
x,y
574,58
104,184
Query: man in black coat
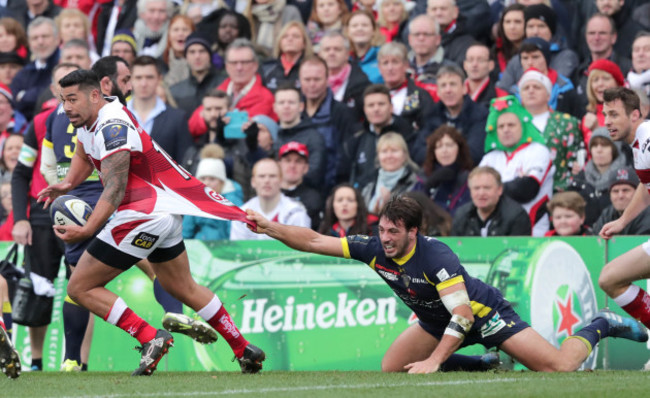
x,y
361,150
621,192
124,12
490,213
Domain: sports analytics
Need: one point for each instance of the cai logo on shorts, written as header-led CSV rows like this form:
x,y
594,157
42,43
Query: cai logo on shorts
x,y
144,240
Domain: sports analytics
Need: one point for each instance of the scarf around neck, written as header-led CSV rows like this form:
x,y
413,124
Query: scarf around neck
x,y
267,14
336,81
386,179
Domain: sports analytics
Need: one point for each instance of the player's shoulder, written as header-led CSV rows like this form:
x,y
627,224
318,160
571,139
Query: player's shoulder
x,y
431,247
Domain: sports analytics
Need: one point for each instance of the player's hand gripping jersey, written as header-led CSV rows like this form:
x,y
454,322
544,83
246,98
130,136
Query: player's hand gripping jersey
x,y
155,183
418,277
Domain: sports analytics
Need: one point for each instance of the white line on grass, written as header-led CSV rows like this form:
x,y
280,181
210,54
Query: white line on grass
x,y
306,388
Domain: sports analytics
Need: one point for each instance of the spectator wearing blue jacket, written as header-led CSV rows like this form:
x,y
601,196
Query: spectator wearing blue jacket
x,y
212,172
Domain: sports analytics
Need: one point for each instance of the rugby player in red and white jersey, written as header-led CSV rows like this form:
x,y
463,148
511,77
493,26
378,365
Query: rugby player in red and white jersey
x,y
148,192
625,123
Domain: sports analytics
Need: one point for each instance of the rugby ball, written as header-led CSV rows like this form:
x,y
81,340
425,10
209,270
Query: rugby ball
x,y
69,210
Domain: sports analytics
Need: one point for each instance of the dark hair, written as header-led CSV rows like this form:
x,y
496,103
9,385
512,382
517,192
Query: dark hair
x,y
507,47
628,97
85,79
402,209
218,93
315,59
529,48
107,66
146,60
289,86
376,89
604,141
360,226
435,221
463,158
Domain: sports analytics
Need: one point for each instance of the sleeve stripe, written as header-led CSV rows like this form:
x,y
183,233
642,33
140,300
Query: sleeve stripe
x,y
345,247
47,143
480,310
450,282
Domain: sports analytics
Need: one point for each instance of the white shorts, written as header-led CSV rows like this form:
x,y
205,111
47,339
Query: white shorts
x,y
130,236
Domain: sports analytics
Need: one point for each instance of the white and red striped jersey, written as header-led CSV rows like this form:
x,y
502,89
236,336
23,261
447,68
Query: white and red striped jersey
x,y
641,151
529,160
156,184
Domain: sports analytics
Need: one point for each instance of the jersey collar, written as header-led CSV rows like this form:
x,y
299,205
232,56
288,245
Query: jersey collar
x,y
403,260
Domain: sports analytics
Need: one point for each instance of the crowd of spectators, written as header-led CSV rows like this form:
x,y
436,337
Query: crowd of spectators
x,y
487,112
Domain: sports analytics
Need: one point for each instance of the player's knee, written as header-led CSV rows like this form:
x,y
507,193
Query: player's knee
x,y
605,281
388,366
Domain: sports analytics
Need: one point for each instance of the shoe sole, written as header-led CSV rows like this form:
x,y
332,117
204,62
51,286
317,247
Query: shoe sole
x,y
195,330
252,365
9,358
148,370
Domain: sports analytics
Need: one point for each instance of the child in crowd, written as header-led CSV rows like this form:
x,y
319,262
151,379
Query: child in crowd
x,y
567,211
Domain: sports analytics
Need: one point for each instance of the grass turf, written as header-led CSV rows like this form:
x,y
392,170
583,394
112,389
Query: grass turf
x,y
329,384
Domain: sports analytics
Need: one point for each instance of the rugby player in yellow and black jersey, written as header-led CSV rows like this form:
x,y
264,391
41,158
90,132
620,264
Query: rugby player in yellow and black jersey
x,y
454,309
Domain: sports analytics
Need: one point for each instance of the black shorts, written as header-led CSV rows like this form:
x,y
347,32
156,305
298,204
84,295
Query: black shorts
x,y
503,324
44,255
115,258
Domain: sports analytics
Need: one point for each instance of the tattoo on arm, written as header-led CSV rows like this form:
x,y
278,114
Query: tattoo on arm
x,y
115,173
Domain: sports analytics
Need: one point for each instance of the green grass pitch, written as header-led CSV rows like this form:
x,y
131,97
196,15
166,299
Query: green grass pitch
x,y
625,384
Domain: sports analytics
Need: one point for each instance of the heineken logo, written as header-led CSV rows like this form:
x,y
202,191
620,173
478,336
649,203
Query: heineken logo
x,y
567,317
260,317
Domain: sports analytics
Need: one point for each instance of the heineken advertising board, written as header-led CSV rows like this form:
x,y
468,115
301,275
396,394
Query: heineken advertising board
x,y
311,312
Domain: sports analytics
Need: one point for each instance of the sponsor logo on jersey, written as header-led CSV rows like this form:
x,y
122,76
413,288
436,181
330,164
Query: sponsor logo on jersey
x,y
216,197
387,275
114,135
144,240
442,275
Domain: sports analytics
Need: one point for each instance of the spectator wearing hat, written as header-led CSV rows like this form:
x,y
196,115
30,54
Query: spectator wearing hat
x,y
540,23
599,172
150,29
10,64
212,172
270,201
243,85
288,105
294,163
37,75
602,74
165,124
113,17
621,192
517,150
600,38
202,78
455,39
535,53
560,130
123,45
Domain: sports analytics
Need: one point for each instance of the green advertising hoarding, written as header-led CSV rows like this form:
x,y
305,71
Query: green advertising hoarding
x,y
311,312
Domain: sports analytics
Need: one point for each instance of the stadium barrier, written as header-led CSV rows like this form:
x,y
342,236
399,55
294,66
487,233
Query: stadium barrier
x,y
311,312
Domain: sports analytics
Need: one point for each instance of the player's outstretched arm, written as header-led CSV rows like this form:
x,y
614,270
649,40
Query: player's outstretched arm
x,y
80,169
457,302
299,238
639,202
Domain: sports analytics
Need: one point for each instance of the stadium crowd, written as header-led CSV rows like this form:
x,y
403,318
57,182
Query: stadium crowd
x,y
315,113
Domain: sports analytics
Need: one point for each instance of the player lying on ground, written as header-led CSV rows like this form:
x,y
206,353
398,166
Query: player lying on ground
x,y
9,358
144,191
454,309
